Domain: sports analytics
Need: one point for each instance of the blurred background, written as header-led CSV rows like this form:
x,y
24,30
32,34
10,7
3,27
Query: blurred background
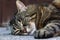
x,y
8,8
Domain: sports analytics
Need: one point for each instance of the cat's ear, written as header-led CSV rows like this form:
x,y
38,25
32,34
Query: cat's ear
x,y
20,6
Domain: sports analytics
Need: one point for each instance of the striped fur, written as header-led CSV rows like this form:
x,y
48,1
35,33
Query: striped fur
x,y
52,29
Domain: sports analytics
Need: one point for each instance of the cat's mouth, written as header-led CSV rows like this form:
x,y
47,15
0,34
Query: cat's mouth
x,y
25,31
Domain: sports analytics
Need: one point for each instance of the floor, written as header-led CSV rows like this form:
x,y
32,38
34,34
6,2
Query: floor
x,y
4,35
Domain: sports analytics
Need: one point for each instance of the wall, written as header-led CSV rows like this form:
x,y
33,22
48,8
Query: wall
x,y
7,9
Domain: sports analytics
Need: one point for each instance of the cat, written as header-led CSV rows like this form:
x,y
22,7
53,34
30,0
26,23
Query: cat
x,y
39,20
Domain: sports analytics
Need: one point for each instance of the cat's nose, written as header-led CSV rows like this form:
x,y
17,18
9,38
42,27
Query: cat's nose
x,y
24,24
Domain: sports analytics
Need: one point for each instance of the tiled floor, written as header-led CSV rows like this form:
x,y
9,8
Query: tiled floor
x,y
4,35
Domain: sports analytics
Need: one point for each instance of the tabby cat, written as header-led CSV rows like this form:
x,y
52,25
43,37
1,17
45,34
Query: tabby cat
x,y
42,21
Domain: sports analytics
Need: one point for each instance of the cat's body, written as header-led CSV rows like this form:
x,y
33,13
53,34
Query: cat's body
x,y
44,18
49,22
